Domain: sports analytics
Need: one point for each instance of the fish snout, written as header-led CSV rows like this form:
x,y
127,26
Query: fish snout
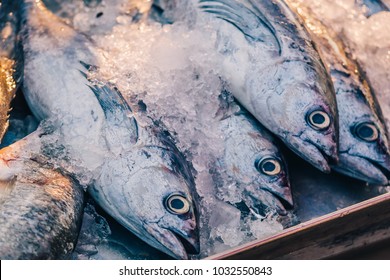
x,y
281,189
177,242
263,200
331,150
384,166
190,242
188,234
316,153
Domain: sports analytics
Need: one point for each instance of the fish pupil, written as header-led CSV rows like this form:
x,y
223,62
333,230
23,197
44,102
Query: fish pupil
x,y
177,204
318,118
269,166
365,131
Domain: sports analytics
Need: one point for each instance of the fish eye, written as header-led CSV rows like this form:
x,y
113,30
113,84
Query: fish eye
x,y
177,204
318,120
269,166
367,132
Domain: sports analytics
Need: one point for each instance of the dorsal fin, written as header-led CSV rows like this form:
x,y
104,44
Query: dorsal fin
x,y
250,21
116,110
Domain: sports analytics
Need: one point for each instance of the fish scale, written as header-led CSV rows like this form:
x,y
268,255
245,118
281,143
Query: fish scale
x,y
40,208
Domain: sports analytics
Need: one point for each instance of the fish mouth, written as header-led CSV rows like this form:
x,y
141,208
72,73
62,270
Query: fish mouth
x,y
282,193
362,168
174,243
313,154
261,204
285,198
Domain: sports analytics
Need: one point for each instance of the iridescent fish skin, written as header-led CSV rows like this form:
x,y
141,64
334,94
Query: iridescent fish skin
x,y
10,62
40,208
278,76
146,195
137,175
364,146
253,161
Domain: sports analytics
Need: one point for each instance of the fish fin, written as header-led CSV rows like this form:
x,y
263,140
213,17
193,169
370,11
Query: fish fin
x,y
85,75
115,108
89,67
250,21
157,13
18,69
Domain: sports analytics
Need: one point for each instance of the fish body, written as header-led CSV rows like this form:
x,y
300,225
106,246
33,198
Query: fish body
x,y
40,208
278,76
10,63
133,172
363,143
253,162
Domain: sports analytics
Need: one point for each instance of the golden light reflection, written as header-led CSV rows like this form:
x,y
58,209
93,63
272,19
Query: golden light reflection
x,y
7,91
7,82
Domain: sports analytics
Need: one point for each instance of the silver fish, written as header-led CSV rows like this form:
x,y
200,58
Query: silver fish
x,y
364,146
252,159
134,173
289,91
164,213
10,62
40,208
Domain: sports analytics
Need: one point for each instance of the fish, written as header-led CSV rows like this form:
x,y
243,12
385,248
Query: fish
x,y
166,213
102,238
278,75
248,147
363,144
134,172
10,63
41,208
253,160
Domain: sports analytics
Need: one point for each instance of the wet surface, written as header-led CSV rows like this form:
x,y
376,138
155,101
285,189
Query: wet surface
x,y
315,194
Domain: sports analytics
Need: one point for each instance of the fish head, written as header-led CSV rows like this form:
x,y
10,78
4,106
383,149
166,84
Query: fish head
x,y
145,183
147,197
364,147
300,111
169,215
254,161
